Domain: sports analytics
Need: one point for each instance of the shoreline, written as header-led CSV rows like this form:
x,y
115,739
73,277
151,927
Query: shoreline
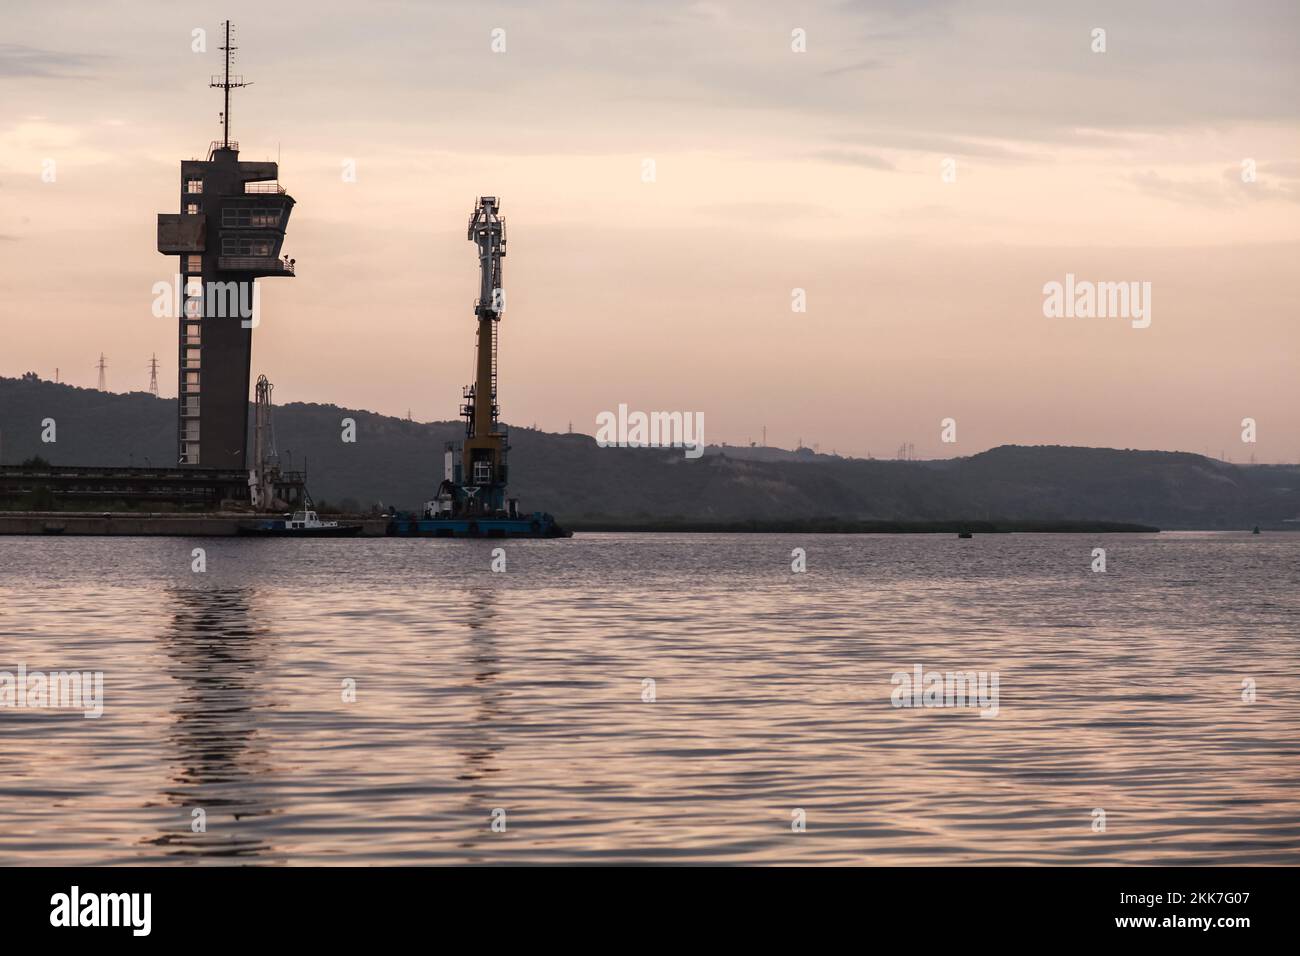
x,y
837,526
226,524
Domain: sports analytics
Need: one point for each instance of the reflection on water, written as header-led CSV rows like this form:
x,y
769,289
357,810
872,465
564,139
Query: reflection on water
x,y
481,743
1121,692
216,657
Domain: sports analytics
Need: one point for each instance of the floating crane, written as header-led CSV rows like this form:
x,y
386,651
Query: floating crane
x,y
482,475
471,499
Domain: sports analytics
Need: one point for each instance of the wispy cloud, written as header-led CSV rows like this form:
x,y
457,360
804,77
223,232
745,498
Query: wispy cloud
x,y
1286,169
846,157
1228,190
868,64
923,142
17,60
1198,192
767,211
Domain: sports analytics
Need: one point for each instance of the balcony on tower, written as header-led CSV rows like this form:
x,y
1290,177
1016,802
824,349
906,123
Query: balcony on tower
x,y
255,265
179,234
233,219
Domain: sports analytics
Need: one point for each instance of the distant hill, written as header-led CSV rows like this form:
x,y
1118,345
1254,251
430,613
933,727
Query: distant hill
x,y
399,463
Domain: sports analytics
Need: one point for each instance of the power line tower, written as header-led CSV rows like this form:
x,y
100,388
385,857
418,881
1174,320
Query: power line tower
x,y
153,375
103,382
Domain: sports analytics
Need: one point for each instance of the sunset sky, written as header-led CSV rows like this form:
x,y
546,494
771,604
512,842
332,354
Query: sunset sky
x,y
774,170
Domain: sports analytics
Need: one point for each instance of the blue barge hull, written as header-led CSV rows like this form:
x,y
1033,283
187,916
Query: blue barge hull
x,y
536,525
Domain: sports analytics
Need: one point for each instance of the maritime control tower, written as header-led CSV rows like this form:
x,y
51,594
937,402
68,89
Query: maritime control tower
x,y
228,234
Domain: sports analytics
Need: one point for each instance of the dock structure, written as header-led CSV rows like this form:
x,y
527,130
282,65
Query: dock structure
x,y
141,525
43,486
228,234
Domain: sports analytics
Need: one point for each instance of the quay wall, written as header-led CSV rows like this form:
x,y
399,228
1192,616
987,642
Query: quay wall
x,y
167,525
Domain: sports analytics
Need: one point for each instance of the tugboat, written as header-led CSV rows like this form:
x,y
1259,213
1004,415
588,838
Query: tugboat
x,y
300,524
471,501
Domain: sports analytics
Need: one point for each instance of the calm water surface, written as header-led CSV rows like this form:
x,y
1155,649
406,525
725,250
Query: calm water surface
x,y
523,691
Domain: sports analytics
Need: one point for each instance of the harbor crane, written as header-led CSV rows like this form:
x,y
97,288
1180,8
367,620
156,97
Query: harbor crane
x,y
471,500
476,484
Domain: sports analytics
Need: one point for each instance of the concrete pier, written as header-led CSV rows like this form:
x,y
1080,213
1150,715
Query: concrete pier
x,y
177,525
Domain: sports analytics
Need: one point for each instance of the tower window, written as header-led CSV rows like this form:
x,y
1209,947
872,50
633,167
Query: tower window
x,y
193,186
237,217
243,246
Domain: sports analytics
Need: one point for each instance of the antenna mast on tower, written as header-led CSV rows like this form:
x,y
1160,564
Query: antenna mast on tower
x,y
227,83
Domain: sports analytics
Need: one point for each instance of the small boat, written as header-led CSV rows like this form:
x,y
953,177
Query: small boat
x,y
1256,531
300,524
963,534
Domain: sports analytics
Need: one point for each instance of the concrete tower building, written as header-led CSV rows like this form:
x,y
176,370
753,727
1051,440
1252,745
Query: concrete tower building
x,y
228,234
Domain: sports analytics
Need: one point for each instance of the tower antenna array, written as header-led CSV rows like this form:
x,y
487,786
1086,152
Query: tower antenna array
x,y
226,83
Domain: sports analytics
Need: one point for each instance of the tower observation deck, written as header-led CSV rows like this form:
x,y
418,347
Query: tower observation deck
x,y
228,233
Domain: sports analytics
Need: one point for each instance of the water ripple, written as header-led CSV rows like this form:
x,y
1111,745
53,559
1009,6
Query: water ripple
x,y
523,691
